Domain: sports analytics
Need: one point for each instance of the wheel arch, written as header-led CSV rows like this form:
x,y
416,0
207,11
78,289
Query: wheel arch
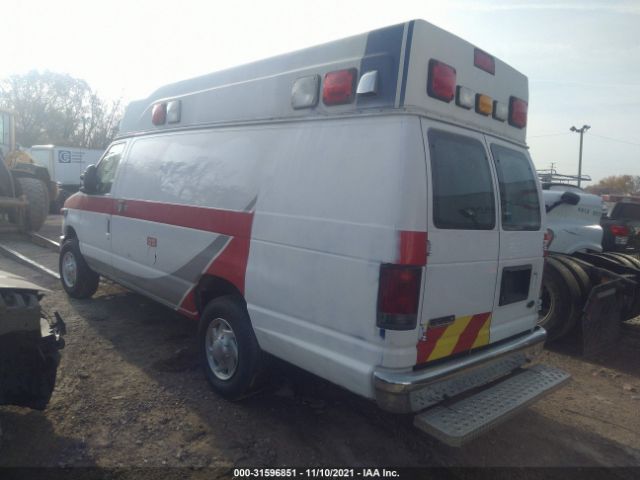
x,y
210,287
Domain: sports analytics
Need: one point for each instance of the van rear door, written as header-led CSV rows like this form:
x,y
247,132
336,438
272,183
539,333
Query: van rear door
x,y
521,237
463,235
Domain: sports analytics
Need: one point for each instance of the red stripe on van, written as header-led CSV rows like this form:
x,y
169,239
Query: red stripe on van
x,y
426,347
80,201
413,248
226,222
466,339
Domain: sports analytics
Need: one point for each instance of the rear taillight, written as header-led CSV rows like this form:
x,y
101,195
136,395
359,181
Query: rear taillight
x,y
398,296
546,243
442,81
621,234
517,112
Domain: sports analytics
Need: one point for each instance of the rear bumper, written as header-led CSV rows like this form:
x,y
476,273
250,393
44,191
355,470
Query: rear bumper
x,y
405,392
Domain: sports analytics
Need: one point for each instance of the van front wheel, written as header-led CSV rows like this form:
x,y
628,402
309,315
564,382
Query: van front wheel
x,y
228,347
77,279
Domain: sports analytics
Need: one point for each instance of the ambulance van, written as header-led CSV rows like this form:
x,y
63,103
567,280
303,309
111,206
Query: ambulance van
x,y
365,209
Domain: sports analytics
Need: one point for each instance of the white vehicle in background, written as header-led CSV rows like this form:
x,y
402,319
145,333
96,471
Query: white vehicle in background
x,y
576,271
366,210
65,166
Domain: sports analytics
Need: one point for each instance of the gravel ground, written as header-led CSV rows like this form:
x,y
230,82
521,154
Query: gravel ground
x,y
130,393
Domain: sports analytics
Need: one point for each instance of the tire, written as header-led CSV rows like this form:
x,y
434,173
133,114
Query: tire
x,y
579,273
618,258
77,279
561,300
225,332
623,259
38,197
6,181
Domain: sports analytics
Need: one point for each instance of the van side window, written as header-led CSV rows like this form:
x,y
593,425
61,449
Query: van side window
x,y
462,188
518,190
106,170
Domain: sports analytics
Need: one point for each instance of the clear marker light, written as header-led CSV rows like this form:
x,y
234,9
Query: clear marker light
x,y
465,97
500,111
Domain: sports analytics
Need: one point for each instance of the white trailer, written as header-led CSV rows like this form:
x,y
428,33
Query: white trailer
x,y
65,165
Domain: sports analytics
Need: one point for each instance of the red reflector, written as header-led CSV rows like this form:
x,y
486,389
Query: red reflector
x,y
413,248
159,114
619,230
484,61
338,87
517,112
442,81
399,290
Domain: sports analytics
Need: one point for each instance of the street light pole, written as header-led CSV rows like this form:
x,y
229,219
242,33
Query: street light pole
x,y
581,131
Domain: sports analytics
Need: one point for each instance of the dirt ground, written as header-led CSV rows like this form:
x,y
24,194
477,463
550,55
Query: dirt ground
x,y
130,393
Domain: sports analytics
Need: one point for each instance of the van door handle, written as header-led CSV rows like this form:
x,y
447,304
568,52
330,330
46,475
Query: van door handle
x,y
122,206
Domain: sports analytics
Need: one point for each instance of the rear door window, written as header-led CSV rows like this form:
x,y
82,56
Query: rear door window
x,y
518,190
463,195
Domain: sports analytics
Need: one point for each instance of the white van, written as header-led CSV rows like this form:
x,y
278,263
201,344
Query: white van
x,y
366,210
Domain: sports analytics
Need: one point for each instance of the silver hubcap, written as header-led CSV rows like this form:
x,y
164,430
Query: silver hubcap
x,y
69,269
222,349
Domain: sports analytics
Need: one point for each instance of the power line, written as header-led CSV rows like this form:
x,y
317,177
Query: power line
x,y
616,140
549,135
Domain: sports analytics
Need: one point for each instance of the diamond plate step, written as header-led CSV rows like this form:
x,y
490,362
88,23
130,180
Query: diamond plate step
x,y
466,419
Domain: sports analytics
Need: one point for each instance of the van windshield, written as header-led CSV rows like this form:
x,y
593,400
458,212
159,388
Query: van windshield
x,y
518,191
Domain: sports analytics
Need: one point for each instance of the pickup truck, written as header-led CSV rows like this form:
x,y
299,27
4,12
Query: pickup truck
x,y
621,224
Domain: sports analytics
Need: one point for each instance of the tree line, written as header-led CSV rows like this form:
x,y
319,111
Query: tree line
x,y
56,108
617,185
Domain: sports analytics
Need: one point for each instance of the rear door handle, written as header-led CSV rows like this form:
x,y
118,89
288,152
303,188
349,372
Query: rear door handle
x,y
122,206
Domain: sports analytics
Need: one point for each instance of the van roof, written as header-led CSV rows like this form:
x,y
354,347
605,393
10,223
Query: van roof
x,y
262,91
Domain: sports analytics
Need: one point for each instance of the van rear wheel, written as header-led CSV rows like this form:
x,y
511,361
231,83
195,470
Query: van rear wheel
x,y
229,350
77,279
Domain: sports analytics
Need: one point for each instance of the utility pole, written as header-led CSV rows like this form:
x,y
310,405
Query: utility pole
x,y
581,132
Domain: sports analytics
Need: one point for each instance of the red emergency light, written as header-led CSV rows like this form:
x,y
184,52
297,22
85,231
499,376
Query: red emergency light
x,y
338,87
484,61
159,114
517,112
442,81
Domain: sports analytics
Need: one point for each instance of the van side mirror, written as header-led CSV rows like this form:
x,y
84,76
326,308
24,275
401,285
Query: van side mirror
x,y
571,198
89,180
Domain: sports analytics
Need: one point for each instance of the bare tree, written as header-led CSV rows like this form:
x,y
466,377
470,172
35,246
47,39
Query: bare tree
x,y
59,109
616,184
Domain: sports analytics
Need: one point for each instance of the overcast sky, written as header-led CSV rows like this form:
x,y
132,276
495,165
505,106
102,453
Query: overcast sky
x,y
582,57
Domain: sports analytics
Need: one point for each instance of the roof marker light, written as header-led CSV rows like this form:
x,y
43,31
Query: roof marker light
x,y
500,111
465,97
484,104
159,113
304,93
517,112
441,83
338,87
484,61
368,84
173,111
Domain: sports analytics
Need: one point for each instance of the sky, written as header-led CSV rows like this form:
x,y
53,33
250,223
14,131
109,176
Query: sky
x,y
582,57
